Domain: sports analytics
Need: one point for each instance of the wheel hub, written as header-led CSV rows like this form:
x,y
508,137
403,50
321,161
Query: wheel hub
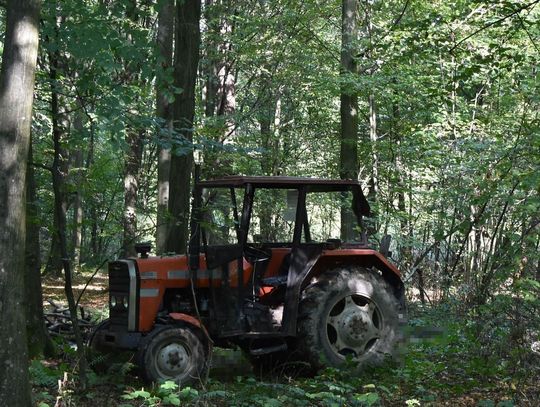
x,y
173,359
353,325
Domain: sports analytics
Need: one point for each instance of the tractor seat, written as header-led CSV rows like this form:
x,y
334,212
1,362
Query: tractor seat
x,y
275,281
281,279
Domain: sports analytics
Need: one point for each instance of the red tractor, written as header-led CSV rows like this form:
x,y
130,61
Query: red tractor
x,y
263,275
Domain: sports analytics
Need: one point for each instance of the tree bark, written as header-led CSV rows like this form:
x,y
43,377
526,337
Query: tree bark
x,y
185,72
59,174
131,189
374,181
270,144
132,160
59,123
60,208
94,240
91,211
38,339
210,61
76,240
165,39
78,163
54,261
220,85
348,168
16,97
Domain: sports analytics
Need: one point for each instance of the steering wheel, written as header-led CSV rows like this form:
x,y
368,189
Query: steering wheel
x,y
254,254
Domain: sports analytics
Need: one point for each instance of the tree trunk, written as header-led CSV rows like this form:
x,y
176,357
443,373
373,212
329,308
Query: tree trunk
x,y
220,85
94,246
185,72
76,237
348,168
76,240
60,209
131,188
38,339
16,96
91,211
54,261
374,181
132,160
210,61
59,122
266,118
165,37
374,176
78,163
421,287
59,173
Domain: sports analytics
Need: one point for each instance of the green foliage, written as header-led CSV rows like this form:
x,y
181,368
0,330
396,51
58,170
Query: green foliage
x,y
46,376
453,353
444,360
166,393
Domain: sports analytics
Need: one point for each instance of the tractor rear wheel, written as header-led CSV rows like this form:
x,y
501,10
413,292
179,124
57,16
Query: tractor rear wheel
x,y
349,313
174,353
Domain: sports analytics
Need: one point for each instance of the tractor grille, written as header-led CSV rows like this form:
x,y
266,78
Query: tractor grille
x,y
118,288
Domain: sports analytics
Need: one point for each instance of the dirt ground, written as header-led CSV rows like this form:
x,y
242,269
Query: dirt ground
x,y
94,297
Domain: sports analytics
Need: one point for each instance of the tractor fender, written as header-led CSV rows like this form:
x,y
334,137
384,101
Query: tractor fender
x,y
309,261
368,258
194,322
188,319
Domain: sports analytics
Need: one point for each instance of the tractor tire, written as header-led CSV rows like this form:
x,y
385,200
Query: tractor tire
x,y
175,353
349,313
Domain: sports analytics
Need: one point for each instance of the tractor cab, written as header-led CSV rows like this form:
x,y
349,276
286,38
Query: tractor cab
x,y
267,221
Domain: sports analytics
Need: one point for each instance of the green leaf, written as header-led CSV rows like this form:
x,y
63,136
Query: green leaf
x,y
368,399
169,385
172,399
136,394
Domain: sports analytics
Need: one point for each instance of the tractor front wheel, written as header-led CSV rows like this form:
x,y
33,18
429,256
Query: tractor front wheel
x,y
349,313
174,353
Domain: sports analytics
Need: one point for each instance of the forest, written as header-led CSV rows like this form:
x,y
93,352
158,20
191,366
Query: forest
x,y
109,110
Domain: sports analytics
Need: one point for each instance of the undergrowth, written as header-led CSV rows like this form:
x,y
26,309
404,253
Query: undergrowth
x,y
456,354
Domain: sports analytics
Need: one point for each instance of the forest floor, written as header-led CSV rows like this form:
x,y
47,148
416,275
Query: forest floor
x,y
454,356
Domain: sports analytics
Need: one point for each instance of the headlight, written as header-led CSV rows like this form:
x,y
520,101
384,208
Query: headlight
x,y
125,302
113,301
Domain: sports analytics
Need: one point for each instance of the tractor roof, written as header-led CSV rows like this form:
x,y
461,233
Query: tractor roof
x,y
311,184
282,182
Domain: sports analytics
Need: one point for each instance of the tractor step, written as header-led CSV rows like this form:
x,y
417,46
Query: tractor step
x,y
262,335
269,349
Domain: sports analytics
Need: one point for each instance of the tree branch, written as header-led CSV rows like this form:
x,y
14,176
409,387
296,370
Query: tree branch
x,y
39,165
491,24
522,23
